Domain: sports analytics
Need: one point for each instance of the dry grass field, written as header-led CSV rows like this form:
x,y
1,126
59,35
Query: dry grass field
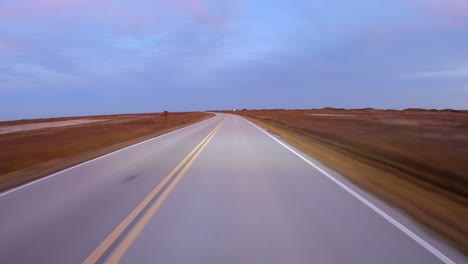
x,y
31,149
415,159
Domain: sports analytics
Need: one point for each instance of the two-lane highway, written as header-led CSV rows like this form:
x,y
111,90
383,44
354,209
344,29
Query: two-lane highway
x,y
220,191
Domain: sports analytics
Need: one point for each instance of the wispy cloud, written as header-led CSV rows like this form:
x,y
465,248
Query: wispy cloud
x,y
124,16
447,8
447,14
461,72
197,8
216,51
15,10
9,48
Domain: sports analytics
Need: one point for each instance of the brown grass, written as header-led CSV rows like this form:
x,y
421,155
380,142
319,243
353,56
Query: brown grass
x,y
416,160
29,155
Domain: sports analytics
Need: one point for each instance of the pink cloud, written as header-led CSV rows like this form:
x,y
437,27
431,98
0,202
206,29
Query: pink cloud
x,y
10,48
447,14
449,8
197,8
103,11
54,6
106,12
19,10
130,21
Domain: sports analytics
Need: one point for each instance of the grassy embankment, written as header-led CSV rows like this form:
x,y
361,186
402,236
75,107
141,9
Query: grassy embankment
x,y
416,160
29,155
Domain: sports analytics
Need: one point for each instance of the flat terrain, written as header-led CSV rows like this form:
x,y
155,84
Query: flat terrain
x,y
415,159
219,191
5,129
31,149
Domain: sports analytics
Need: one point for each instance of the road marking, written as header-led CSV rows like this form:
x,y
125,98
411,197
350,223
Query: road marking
x,y
138,228
86,162
117,232
379,211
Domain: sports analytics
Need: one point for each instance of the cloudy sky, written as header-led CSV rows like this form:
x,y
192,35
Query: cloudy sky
x,y
81,57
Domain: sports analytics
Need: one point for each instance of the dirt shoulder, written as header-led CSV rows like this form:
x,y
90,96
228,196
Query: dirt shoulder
x,y
27,155
414,159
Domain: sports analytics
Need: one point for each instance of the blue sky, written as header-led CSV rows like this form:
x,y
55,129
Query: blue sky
x,y
82,57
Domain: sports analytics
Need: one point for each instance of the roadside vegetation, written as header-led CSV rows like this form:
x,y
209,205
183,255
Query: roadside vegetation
x,y
414,159
30,154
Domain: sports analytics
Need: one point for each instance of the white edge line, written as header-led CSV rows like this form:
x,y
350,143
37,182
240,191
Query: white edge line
x,y
100,157
387,217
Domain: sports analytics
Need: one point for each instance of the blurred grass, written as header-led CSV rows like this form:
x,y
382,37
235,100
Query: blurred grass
x,y
28,155
416,161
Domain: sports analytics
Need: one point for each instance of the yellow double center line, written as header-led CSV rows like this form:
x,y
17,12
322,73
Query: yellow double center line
x,y
138,227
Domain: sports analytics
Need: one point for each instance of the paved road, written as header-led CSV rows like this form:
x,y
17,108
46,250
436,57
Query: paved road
x,y
220,191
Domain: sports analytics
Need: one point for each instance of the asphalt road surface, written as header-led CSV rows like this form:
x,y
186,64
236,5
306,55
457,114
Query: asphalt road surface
x,y
220,191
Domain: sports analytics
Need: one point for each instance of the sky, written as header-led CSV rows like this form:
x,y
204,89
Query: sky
x,y
85,57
